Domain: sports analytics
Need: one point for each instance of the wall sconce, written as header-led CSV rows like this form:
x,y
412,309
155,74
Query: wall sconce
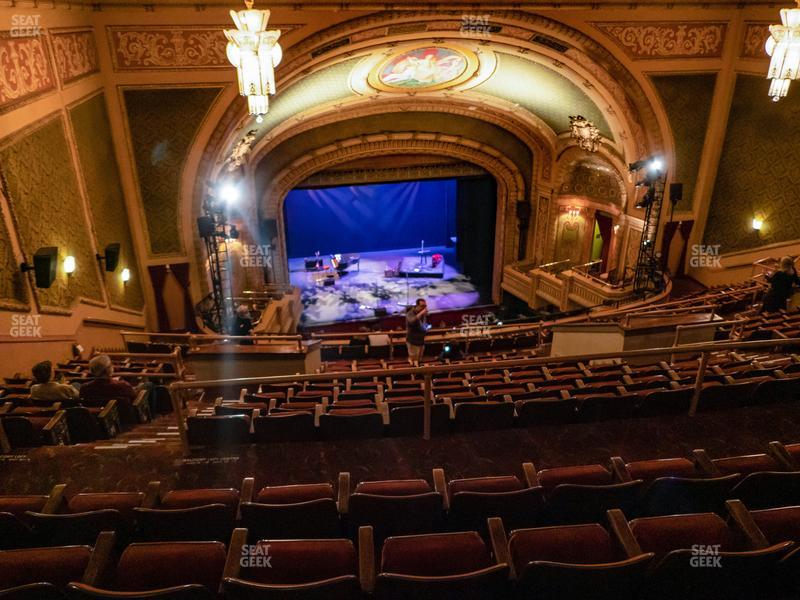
x,y
573,212
616,228
125,276
69,265
758,223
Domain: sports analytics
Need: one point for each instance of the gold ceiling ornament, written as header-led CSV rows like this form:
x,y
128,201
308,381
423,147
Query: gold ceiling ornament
x,y
255,52
783,46
587,135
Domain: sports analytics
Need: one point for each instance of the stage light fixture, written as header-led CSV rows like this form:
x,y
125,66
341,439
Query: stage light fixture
x,y
69,265
655,165
233,233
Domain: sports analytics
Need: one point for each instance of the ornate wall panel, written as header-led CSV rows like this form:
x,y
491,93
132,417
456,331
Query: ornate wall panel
x,y
640,39
162,124
755,36
168,47
587,179
759,171
687,101
102,183
25,70
75,53
48,210
12,286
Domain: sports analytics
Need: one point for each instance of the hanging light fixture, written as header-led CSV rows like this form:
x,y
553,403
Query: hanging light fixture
x,y
255,53
783,45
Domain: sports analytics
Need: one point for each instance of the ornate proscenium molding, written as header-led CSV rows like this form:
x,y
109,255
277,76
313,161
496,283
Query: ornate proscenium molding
x,y
693,39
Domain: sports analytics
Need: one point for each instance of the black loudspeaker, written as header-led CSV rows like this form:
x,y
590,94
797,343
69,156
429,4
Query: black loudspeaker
x,y
270,230
205,227
112,257
675,192
380,311
523,211
45,262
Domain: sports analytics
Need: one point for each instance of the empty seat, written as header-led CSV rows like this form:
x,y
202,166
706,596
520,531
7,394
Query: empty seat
x,y
41,573
201,523
223,430
573,503
445,565
684,544
746,464
284,427
777,390
575,561
179,570
579,475
768,489
78,528
680,495
648,470
298,569
664,401
394,507
357,423
473,501
409,420
124,502
483,416
292,512
548,410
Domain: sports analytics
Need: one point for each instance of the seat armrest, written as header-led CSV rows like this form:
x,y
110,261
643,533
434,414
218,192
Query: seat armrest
x,y
344,492
366,558
233,562
704,462
742,520
151,494
100,559
531,477
440,485
55,500
619,469
622,531
497,536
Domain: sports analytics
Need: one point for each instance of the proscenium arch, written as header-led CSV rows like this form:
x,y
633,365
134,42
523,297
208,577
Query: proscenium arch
x,y
510,185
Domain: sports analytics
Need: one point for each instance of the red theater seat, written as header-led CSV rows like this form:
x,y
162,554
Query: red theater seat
x,y
292,511
574,561
445,565
580,475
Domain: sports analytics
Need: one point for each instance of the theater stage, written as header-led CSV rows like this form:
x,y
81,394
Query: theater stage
x,y
355,295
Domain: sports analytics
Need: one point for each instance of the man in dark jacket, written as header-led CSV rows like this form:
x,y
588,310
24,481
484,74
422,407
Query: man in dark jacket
x,y
416,327
781,286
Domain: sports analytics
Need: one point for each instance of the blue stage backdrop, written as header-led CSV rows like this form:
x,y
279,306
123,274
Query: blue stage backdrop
x,y
366,218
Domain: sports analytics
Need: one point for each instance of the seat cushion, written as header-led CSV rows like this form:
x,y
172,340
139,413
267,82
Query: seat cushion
x,y
575,544
664,534
394,487
166,564
663,467
124,502
58,566
581,475
751,463
435,555
290,494
201,497
299,561
507,483
16,505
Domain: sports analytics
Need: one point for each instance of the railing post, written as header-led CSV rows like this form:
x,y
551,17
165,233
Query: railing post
x,y
176,395
698,383
426,411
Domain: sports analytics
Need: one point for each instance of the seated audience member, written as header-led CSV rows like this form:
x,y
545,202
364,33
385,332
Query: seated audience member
x,y
103,388
45,388
243,325
781,286
451,351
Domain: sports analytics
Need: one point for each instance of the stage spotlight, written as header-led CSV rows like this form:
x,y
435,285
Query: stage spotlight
x,y
233,233
655,165
229,193
499,323
447,348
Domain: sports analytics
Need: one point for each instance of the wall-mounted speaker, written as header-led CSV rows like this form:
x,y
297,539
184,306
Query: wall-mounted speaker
x,y
45,262
205,227
675,192
112,257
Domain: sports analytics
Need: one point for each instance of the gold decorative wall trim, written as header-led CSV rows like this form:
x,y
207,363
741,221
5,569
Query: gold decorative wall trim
x,y
665,39
25,70
171,47
361,176
75,53
755,36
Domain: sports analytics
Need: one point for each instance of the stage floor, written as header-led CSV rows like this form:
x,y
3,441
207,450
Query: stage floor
x,y
357,294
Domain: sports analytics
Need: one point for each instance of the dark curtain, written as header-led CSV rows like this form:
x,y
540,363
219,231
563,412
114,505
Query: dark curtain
x,y
181,272
604,224
158,277
476,202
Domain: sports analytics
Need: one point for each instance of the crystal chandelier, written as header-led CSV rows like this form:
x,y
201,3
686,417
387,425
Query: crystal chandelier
x,y
255,52
783,45
587,135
